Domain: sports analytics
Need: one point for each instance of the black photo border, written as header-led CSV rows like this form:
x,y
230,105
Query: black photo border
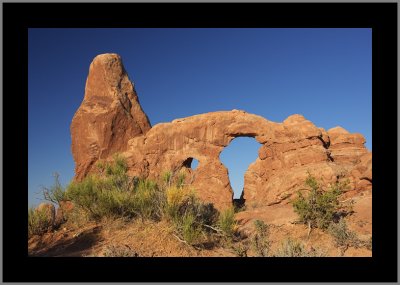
x,y
19,17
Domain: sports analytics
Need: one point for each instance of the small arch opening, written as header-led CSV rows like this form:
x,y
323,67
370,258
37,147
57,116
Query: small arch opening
x,y
237,157
190,162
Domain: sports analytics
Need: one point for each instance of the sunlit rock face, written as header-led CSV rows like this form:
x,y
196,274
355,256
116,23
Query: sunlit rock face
x,y
110,114
110,120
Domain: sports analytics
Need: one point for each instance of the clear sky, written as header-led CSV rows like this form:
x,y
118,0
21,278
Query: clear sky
x,y
323,74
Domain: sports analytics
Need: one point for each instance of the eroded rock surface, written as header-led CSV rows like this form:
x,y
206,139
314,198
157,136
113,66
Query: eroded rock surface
x,y
110,114
111,120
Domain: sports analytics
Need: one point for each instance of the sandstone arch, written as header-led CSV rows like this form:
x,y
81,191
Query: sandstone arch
x,y
105,124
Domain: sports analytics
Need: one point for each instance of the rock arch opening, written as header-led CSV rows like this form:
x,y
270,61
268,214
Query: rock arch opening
x,y
237,157
191,162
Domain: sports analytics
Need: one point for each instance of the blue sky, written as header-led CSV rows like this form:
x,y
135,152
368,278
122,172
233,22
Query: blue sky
x,y
323,74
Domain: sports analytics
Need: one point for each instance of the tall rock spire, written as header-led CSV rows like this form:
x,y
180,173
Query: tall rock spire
x,y
109,115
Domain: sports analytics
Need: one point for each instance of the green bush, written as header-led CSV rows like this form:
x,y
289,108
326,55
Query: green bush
x,y
115,172
148,200
119,166
319,208
38,222
260,241
86,194
226,221
190,216
191,231
111,193
100,197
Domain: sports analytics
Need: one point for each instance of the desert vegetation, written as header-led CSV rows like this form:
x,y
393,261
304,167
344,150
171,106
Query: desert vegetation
x,y
293,248
109,194
322,209
38,222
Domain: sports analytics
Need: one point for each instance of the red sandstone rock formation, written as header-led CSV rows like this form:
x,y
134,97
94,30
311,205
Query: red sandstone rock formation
x,y
105,124
109,115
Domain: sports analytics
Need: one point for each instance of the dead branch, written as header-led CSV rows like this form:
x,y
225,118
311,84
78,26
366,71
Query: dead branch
x,y
215,229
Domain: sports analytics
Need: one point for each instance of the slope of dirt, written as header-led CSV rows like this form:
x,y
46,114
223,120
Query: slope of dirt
x,y
145,239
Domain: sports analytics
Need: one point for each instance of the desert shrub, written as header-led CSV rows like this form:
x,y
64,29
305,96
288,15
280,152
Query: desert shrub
x,y
77,218
240,249
191,231
118,167
183,200
175,197
167,177
148,199
100,197
115,172
189,215
226,221
204,213
207,214
115,202
342,235
113,193
101,165
180,179
319,208
119,251
38,222
260,240
293,248
85,194
56,192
